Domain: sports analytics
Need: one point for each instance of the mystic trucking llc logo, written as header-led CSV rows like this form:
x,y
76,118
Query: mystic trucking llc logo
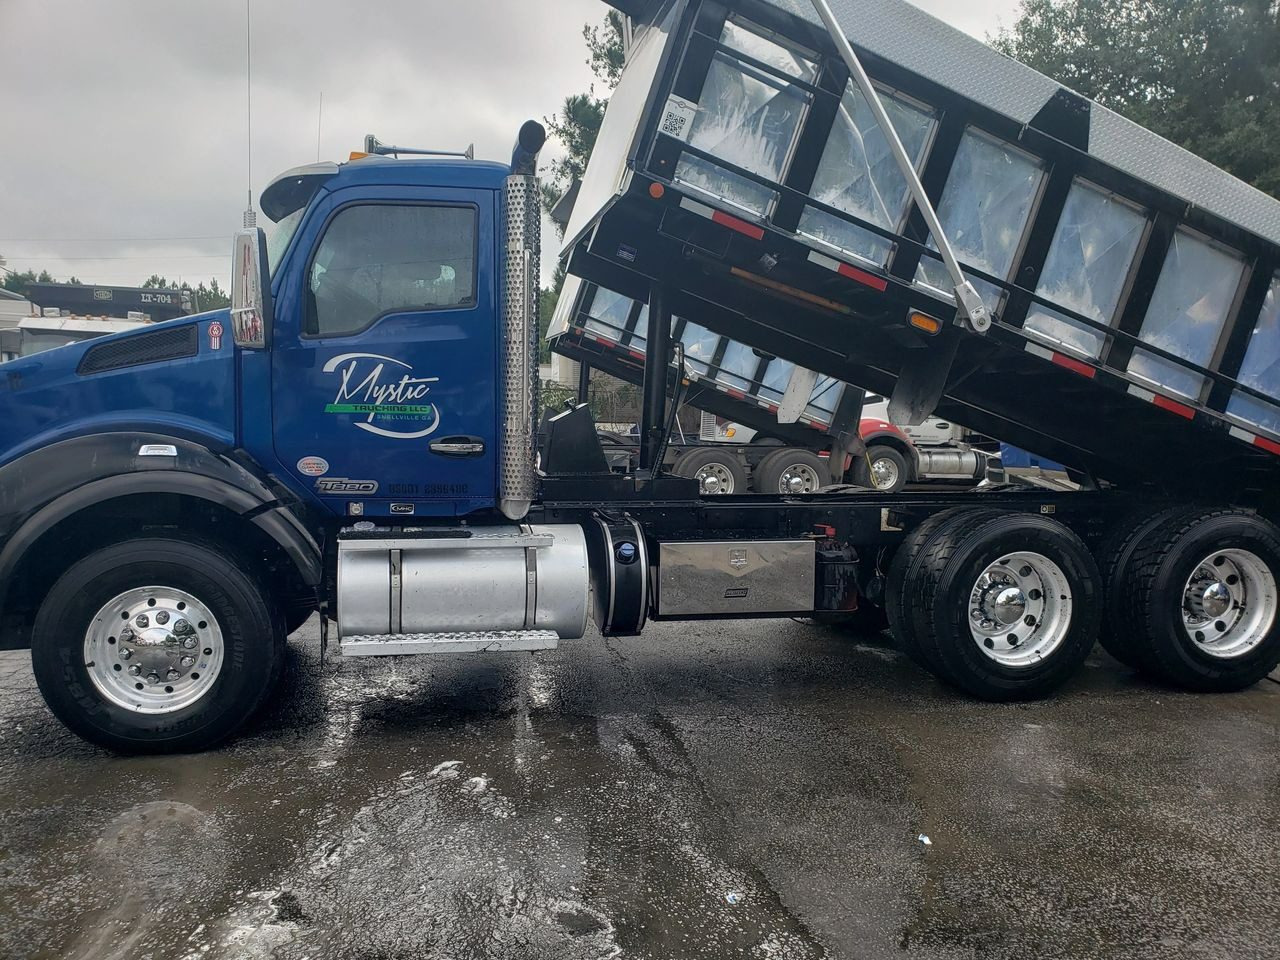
x,y
384,395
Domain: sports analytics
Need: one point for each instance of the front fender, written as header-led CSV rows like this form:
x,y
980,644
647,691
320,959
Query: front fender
x,y
48,485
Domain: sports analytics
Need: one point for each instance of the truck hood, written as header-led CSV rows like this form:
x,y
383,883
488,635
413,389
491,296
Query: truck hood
x,y
176,378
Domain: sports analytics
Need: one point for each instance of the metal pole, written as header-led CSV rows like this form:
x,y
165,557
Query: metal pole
x,y
971,305
657,362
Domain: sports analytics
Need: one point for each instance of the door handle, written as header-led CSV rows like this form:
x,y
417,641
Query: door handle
x,y
458,447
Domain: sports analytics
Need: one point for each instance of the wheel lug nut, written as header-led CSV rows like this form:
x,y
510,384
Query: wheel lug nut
x,y
142,621
188,661
135,671
172,675
153,677
181,626
125,653
189,643
162,616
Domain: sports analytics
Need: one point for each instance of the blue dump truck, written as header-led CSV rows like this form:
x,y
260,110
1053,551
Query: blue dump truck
x,y
360,434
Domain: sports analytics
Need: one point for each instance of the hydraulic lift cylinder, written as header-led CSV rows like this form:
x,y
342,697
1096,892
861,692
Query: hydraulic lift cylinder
x,y
657,363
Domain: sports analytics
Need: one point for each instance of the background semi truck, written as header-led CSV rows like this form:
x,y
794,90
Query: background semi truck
x,y
361,433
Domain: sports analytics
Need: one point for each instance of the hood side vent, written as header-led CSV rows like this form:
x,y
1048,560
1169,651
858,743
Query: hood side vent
x,y
173,344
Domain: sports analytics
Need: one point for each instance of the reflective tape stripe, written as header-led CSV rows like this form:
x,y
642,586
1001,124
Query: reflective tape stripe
x,y
1262,443
851,272
716,216
1163,402
1062,360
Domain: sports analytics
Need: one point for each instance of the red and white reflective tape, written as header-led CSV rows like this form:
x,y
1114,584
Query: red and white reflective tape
x,y
1262,443
1163,402
845,270
1062,360
716,216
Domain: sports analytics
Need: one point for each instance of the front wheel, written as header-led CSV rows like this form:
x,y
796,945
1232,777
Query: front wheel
x,y
156,646
888,468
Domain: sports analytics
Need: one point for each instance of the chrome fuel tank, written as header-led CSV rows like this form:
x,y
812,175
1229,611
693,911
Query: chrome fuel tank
x,y
472,580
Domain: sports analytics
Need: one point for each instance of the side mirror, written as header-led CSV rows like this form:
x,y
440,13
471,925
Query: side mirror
x,y
250,290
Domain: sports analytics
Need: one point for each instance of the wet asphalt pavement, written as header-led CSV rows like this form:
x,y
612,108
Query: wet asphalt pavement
x,y
711,790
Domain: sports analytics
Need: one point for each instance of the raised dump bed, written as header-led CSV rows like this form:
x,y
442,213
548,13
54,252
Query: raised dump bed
x,y
730,379
1134,286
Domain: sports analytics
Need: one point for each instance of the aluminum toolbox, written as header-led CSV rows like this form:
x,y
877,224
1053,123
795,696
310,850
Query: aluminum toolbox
x,y
1135,286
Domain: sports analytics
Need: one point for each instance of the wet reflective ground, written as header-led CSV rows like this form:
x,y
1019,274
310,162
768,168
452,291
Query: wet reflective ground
x,y
736,790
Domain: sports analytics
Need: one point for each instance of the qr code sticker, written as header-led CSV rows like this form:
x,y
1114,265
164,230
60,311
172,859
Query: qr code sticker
x,y
678,118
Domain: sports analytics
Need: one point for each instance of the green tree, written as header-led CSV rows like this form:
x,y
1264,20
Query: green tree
x,y
19,281
212,297
207,297
577,124
576,127
1202,73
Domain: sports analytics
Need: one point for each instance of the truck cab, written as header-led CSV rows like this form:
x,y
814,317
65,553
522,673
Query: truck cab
x,y
382,378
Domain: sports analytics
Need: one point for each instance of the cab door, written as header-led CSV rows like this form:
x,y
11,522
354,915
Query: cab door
x,y
384,369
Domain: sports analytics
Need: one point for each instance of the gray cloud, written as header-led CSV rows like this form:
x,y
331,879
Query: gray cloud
x,y
126,118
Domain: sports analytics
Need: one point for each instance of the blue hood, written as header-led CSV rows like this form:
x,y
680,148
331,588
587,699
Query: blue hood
x,y
176,378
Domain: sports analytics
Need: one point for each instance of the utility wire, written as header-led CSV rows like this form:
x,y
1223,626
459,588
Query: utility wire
x,y
47,257
223,236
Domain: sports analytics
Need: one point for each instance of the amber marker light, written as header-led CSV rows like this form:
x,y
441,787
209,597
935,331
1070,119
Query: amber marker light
x,y
926,324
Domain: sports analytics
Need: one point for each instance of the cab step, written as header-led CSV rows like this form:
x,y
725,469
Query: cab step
x,y
400,645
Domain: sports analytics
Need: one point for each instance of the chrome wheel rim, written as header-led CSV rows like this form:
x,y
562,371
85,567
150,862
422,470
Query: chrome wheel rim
x,y
884,473
714,479
154,650
1020,609
1229,603
799,478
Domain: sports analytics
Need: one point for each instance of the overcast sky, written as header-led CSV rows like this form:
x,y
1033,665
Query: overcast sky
x,y
122,122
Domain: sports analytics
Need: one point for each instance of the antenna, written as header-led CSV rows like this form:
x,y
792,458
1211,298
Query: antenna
x,y
250,216
319,122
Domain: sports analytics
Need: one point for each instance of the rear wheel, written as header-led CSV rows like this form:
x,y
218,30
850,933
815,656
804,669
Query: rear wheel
x,y
1005,607
156,646
1199,601
718,472
1114,557
903,570
790,471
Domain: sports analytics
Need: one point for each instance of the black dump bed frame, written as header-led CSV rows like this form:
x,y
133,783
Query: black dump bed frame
x,y
1101,383
607,332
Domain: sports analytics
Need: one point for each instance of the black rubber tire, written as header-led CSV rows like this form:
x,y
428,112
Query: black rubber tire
x,y
1152,587
1114,556
768,474
936,602
693,461
902,568
887,453
253,630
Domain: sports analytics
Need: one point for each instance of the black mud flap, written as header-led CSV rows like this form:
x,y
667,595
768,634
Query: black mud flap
x,y
923,380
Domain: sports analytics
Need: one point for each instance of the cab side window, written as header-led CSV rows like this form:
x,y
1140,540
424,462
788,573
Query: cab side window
x,y
380,259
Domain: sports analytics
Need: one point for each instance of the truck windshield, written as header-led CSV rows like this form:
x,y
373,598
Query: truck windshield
x,y
279,237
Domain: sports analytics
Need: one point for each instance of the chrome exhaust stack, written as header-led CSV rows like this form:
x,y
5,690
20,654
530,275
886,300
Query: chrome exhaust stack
x,y
518,485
